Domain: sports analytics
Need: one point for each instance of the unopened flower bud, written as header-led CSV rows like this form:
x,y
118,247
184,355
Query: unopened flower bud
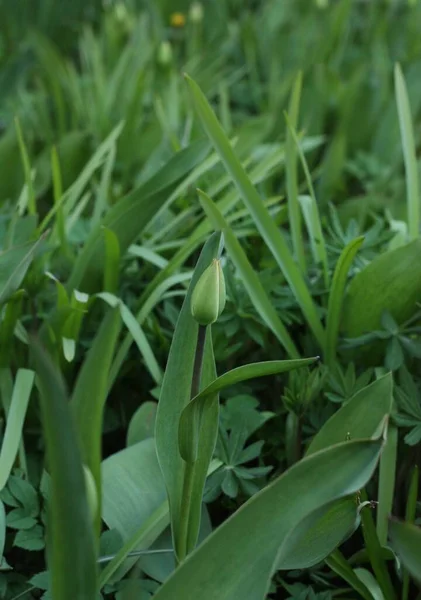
x,y
196,12
164,54
208,297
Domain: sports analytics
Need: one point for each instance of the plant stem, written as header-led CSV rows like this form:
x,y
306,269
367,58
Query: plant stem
x,y
188,478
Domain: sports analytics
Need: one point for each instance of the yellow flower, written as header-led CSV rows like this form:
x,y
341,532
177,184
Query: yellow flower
x,y
178,20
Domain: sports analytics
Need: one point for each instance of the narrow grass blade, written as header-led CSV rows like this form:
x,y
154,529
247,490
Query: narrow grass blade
x,y
90,394
291,175
374,551
112,261
254,535
411,509
15,419
71,540
190,419
137,334
14,264
32,209
410,157
336,297
337,562
58,194
249,277
2,529
264,223
387,474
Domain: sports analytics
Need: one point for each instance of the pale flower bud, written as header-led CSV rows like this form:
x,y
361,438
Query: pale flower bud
x,y
208,297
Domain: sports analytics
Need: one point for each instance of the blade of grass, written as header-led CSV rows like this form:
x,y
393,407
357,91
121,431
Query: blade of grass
x,y
374,551
90,393
387,474
14,425
57,194
311,214
337,562
71,541
409,153
291,175
249,277
336,298
32,209
264,223
411,509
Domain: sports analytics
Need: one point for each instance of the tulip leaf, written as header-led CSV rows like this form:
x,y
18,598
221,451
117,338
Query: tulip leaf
x,y
359,418
255,534
406,541
191,417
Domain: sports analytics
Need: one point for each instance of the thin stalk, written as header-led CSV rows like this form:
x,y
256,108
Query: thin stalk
x,y
411,507
189,467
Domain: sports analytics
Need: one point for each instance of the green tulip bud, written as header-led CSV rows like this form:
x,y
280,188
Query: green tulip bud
x,y
164,54
196,12
208,297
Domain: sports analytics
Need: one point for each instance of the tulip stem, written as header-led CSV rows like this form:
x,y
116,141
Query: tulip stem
x,y
188,478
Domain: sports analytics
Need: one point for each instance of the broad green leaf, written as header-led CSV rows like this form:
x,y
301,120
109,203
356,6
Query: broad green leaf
x,y
249,277
406,541
191,417
336,298
15,419
261,216
255,534
359,418
142,423
378,288
175,395
319,534
90,394
14,264
409,153
128,217
71,539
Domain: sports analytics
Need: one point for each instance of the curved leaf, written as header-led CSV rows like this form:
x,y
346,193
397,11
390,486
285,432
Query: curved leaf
x,y
191,417
253,536
359,418
406,541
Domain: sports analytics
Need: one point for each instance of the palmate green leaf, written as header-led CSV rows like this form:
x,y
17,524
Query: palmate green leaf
x,y
90,393
336,298
14,264
255,534
71,539
264,223
406,541
131,214
409,153
249,277
378,288
15,419
191,418
319,534
359,418
175,395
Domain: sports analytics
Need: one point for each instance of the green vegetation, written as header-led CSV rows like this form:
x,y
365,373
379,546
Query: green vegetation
x,y
210,291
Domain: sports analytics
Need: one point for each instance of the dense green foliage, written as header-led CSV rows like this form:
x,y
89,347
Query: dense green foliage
x,y
129,134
